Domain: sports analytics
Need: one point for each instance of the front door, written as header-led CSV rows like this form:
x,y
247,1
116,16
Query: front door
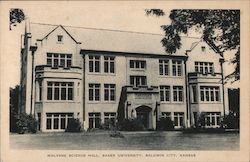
x,y
143,113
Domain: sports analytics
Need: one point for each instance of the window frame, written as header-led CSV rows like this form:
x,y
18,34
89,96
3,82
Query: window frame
x,y
141,79
109,89
164,90
53,96
177,68
210,94
95,91
54,60
164,67
94,62
178,90
109,61
137,64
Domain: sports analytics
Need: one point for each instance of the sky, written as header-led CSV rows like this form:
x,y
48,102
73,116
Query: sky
x,y
127,16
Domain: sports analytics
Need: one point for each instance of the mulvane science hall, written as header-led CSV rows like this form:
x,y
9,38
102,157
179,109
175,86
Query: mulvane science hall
x,y
101,76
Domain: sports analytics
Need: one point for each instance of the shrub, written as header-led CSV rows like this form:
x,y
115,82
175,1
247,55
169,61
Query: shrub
x,y
26,123
165,124
201,122
231,121
74,125
130,125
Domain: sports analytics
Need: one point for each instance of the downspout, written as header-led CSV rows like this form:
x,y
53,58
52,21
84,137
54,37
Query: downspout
x,y
222,82
33,49
83,84
187,93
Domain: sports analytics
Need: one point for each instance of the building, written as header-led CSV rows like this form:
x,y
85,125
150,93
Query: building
x,y
102,76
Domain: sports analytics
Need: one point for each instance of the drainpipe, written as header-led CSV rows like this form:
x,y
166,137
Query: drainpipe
x,y
187,93
222,82
83,84
32,49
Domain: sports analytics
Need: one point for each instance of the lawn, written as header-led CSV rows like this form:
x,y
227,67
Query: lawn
x,y
150,140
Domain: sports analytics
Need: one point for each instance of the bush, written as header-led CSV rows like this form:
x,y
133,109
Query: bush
x,y
165,124
231,121
74,125
201,122
26,123
130,125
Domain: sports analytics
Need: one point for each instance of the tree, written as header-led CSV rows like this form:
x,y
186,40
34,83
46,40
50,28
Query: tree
x,y
220,29
16,16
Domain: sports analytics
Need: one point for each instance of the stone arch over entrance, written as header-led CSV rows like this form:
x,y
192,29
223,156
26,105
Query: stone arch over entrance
x,y
144,114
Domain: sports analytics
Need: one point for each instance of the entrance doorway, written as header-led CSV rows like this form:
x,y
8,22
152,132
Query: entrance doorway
x,y
143,114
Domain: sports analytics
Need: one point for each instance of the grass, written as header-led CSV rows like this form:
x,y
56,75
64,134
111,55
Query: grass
x,y
148,140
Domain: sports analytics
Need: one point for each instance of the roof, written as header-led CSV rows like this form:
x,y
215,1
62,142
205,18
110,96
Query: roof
x,y
112,40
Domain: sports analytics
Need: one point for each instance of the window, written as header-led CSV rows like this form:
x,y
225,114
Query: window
x,y
165,93
40,91
178,119
109,119
94,92
204,67
109,64
58,121
39,121
203,48
109,92
138,80
56,60
59,38
60,90
177,68
178,93
209,94
212,119
194,94
166,115
163,67
94,120
137,64
94,64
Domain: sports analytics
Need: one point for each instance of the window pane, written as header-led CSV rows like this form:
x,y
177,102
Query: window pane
x,y
137,64
112,67
56,94
63,123
48,123
161,69
63,94
91,123
97,94
106,67
106,94
112,95
180,95
49,94
131,64
49,61
97,68
166,69
91,69
70,94
69,63
56,123
162,95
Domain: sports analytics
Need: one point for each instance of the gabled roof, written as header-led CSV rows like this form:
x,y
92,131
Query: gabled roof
x,y
112,40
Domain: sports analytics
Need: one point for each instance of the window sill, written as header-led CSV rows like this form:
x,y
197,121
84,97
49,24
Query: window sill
x,y
134,69
101,74
215,102
101,102
177,102
60,101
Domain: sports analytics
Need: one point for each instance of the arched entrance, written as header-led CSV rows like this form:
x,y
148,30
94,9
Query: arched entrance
x,y
143,114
